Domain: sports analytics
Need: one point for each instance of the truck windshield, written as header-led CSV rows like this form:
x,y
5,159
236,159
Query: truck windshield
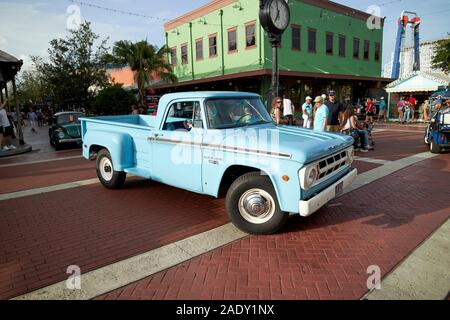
x,y
236,112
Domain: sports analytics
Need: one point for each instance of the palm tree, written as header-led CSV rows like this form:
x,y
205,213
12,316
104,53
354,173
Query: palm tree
x,y
145,60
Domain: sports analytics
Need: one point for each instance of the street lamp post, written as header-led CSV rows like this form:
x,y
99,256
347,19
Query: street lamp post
x,y
274,16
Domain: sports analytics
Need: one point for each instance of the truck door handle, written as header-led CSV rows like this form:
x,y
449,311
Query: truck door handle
x,y
155,136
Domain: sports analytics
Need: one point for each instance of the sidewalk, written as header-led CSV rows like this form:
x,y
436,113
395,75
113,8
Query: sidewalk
x,y
19,148
37,140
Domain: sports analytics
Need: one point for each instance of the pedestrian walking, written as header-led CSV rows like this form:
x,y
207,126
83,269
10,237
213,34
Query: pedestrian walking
x,y
321,114
307,111
288,110
335,112
32,118
370,111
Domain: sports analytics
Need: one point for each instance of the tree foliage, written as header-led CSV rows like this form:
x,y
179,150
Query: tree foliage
x,y
32,89
113,100
145,60
75,70
441,57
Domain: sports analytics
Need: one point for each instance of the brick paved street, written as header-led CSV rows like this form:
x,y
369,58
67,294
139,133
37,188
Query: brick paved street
x,y
324,256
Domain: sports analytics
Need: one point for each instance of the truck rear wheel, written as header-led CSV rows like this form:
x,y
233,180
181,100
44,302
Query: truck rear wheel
x,y
109,178
252,205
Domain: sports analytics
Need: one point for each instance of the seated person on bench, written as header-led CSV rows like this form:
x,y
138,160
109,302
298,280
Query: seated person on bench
x,y
351,126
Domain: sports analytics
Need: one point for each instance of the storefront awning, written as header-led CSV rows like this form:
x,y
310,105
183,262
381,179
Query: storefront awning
x,y
419,81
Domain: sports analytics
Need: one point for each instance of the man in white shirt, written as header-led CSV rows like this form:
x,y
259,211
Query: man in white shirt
x,y
6,129
288,110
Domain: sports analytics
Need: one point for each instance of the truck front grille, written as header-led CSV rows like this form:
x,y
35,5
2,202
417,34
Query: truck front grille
x,y
332,164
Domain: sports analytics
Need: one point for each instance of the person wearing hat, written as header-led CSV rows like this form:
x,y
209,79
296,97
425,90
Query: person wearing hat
x,y
336,110
307,110
321,114
382,112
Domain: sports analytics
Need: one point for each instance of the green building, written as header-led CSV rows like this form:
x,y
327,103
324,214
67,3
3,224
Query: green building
x,y
222,46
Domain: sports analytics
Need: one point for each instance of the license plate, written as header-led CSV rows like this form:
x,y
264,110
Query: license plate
x,y
339,189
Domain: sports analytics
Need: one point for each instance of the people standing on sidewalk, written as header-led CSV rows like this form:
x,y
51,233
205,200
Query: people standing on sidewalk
x,y
400,109
350,124
307,110
382,112
288,110
335,112
321,114
276,111
32,118
412,105
6,129
426,110
407,112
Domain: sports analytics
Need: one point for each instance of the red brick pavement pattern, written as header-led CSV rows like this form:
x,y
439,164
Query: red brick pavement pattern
x,y
363,166
322,257
394,145
45,174
40,236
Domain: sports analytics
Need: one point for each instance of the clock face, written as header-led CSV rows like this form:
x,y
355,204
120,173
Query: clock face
x,y
279,14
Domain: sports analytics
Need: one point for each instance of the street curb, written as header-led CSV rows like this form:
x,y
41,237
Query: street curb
x,y
20,149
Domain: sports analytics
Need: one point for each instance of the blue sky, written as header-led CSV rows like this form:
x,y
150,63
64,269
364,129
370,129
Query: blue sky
x,y
27,26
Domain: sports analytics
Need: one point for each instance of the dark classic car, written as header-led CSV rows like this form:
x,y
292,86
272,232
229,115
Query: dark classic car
x,y
65,129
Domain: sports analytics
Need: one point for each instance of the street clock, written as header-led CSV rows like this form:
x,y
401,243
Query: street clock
x,y
274,16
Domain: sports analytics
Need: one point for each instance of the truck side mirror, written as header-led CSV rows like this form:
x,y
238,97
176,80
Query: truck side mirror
x,y
198,123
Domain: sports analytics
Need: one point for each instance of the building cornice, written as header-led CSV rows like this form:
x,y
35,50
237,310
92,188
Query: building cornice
x,y
197,13
340,8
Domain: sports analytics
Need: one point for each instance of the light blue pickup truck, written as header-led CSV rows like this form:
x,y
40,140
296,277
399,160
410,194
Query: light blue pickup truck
x,y
224,143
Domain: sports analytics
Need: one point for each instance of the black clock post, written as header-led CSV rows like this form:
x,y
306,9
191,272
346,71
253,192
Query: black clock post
x,y
274,16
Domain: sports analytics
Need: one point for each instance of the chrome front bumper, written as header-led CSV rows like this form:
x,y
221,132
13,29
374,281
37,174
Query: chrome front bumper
x,y
310,206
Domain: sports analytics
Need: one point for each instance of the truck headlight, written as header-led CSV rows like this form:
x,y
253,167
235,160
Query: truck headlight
x,y
61,135
308,176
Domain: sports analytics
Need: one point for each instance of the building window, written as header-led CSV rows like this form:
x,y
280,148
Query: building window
x,y
312,40
213,45
341,45
366,49
356,48
173,56
232,40
199,49
377,51
250,35
329,43
296,44
184,54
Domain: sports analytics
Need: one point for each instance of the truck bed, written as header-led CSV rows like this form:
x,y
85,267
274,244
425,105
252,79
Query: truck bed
x,y
127,120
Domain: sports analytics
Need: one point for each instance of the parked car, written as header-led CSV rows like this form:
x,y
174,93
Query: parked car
x,y
437,133
65,129
217,143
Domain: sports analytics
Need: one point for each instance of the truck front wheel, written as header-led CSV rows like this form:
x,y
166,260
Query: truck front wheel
x,y
252,205
109,178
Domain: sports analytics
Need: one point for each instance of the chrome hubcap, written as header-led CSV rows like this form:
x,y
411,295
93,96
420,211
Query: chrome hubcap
x,y
106,169
256,206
